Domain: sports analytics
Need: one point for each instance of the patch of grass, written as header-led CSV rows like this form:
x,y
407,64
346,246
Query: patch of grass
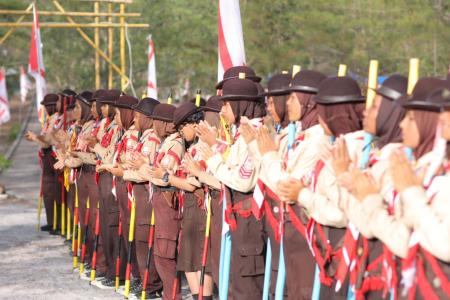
x,y
4,163
13,132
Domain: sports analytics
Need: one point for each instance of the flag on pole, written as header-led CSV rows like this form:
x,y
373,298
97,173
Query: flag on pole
x,y
231,50
24,84
4,103
36,64
151,79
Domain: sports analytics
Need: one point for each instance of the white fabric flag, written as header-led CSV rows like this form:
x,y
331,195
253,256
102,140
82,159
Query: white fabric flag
x,y
231,51
4,103
152,90
36,64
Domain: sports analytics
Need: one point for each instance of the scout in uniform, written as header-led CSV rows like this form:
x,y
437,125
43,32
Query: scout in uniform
x,y
49,176
122,156
165,198
144,153
103,144
239,172
294,161
193,222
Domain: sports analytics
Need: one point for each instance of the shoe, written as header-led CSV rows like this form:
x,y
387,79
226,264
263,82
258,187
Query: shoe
x,y
85,276
136,287
46,228
154,295
104,284
55,232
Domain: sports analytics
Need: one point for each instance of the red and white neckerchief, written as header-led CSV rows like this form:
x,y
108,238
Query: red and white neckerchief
x,y
410,263
147,136
119,146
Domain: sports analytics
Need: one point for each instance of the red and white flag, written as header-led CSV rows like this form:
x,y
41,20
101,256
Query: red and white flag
x,y
4,103
36,63
151,79
24,84
231,40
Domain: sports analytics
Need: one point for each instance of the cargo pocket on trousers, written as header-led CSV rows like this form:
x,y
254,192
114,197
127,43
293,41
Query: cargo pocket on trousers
x,y
251,262
165,248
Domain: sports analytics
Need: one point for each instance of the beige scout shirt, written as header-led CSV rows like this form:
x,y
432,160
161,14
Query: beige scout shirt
x,y
297,163
239,171
391,229
428,213
169,156
46,132
84,157
107,142
148,145
322,199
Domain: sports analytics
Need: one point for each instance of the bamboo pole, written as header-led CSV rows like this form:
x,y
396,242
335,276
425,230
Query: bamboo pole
x,y
413,74
97,44
90,42
72,25
10,31
342,70
123,83
372,82
68,13
110,48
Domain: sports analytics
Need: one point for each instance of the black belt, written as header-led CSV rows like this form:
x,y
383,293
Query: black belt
x,y
158,188
88,168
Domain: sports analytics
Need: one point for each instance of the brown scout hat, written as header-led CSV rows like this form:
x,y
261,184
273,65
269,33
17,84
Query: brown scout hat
x,y
85,97
125,101
163,112
306,81
335,90
146,106
214,104
420,97
278,85
184,111
110,97
50,99
98,94
233,72
240,89
393,87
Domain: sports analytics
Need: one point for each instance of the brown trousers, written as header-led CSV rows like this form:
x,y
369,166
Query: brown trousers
x,y
300,264
125,213
167,229
275,246
144,209
109,221
247,254
215,234
335,236
88,189
50,186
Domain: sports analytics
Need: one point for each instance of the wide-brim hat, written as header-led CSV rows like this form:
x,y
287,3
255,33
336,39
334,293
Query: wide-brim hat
x,y
240,89
440,98
306,81
184,111
233,73
110,97
393,87
125,101
146,106
336,90
98,95
164,112
85,97
420,97
213,104
278,85
49,99
68,93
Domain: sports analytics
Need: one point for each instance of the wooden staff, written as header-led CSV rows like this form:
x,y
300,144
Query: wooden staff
x,y
97,235
119,239
130,241
76,230
85,237
205,247
149,255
